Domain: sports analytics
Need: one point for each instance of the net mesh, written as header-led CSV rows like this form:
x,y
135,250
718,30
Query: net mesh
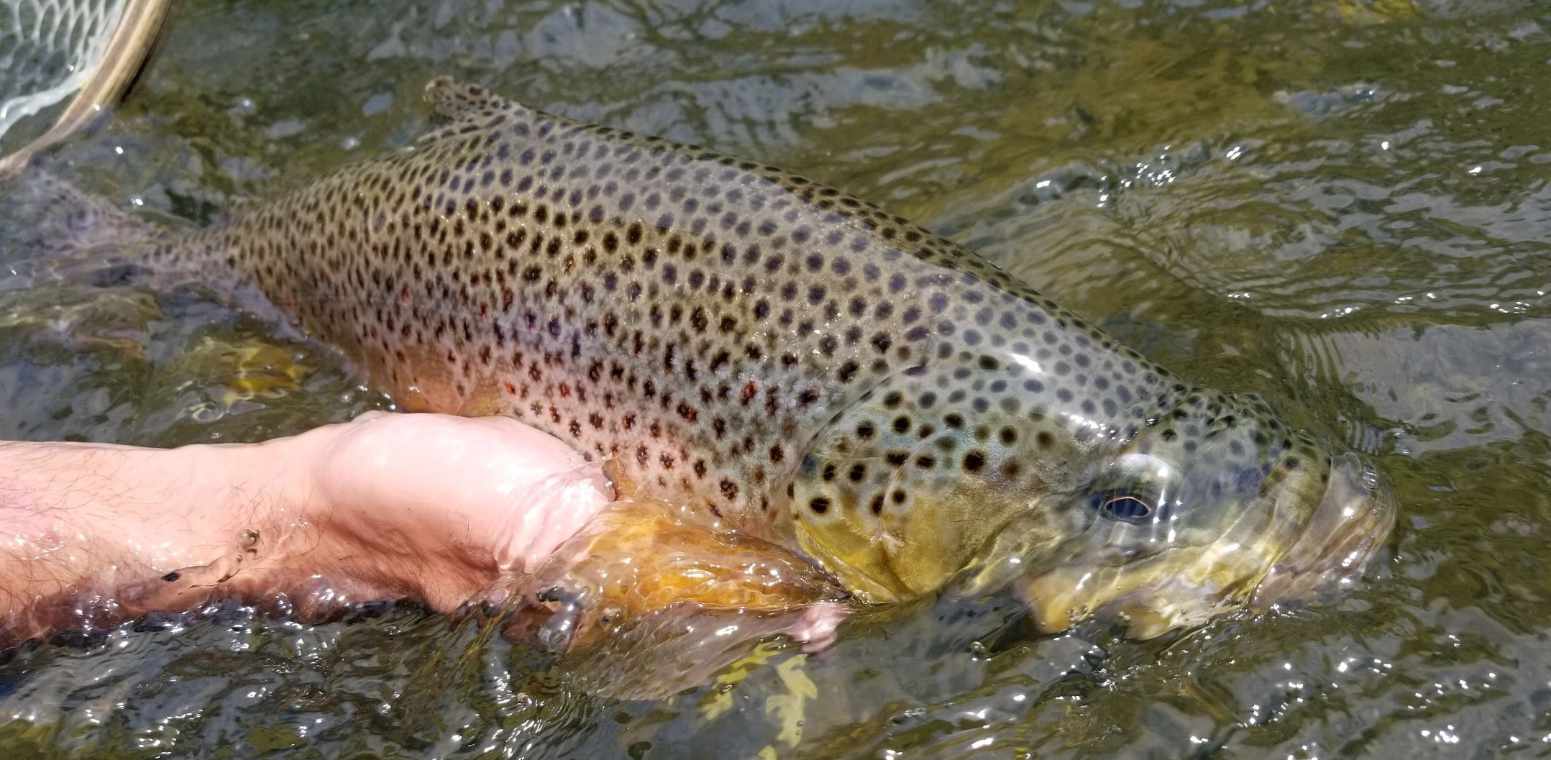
x,y
48,49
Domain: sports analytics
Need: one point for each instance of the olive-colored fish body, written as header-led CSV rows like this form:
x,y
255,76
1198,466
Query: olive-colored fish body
x,y
776,356
702,320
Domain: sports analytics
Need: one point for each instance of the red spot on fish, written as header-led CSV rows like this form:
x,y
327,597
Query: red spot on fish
x,y
688,412
749,390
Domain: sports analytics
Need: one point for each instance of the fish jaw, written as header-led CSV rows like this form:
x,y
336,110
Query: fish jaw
x,y
1308,549
1348,528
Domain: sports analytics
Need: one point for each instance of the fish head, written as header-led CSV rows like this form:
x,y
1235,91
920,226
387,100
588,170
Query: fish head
x,y
1193,512
1212,507
903,489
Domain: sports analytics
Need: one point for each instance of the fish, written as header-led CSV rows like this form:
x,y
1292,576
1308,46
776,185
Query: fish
x,y
785,363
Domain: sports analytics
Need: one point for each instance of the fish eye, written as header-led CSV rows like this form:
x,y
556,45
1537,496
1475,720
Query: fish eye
x,y
1123,506
1136,489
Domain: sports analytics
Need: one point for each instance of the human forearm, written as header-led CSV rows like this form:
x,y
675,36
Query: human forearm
x,y
85,528
391,506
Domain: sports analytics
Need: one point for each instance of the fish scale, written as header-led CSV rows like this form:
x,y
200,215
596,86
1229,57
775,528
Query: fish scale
x,y
774,355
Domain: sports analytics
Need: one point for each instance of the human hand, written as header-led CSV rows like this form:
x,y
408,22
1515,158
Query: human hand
x,y
389,506
445,509
440,507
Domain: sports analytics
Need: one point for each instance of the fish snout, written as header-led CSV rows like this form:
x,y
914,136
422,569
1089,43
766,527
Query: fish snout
x,y
1345,530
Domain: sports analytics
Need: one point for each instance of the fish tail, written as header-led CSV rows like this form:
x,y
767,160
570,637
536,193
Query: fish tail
x,y
59,230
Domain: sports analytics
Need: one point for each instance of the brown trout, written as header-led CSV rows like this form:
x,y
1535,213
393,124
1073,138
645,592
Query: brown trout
x,y
789,363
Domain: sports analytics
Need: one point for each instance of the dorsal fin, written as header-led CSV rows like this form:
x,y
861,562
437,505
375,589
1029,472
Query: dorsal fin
x,y
470,107
459,101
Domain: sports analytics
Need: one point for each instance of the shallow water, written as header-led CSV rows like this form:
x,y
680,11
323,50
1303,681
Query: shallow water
x,y
1341,205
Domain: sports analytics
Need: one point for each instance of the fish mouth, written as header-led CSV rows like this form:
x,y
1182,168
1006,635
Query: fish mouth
x,y
1186,586
1352,521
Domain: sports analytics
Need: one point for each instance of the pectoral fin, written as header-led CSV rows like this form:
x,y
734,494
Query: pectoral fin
x,y
643,604
638,559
